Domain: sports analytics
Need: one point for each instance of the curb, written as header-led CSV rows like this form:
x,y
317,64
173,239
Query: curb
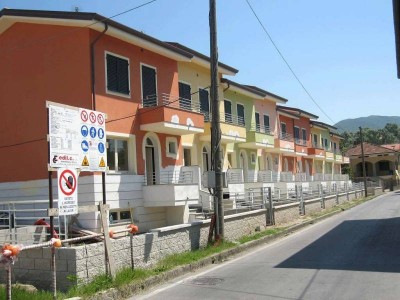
x,y
137,287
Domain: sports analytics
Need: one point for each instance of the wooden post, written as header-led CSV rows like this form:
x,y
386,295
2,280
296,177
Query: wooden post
x,y
110,263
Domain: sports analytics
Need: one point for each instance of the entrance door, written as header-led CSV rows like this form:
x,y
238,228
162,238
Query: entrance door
x,y
187,157
150,163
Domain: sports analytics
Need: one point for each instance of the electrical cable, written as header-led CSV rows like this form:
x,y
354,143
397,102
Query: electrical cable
x,y
110,121
288,65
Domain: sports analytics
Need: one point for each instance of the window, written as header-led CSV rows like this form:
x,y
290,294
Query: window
x,y
296,133
266,123
172,147
315,137
240,113
283,130
304,134
120,216
228,111
257,116
117,155
149,86
117,71
185,96
334,147
204,104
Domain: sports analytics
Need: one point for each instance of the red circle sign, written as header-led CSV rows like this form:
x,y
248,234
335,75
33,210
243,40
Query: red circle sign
x,y
92,117
84,115
100,119
67,182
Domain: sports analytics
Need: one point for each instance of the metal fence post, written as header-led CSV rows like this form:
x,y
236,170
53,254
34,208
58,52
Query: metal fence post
x,y
302,207
337,194
347,191
271,207
322,198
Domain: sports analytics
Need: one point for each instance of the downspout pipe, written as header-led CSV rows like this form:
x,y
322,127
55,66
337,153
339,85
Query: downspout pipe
x,y
92,68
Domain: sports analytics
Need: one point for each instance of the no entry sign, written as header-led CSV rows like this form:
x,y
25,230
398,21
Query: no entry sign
x,y
67,192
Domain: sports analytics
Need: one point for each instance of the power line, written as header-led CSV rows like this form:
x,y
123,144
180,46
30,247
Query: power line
x,y
110,121
78,29
288,65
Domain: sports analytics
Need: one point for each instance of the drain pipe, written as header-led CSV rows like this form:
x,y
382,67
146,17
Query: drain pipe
x,y
93,76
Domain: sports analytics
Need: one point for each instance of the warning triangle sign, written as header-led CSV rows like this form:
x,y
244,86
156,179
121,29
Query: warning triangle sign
x,y
102,163
85,162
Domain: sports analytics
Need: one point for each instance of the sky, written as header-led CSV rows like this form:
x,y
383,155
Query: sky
x,y
342,51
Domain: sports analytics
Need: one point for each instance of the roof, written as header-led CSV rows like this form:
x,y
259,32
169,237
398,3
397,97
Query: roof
x,y
225,68
93,21
395,147
244,88
281,99
300,112
286,113
368,150
324,126
396,17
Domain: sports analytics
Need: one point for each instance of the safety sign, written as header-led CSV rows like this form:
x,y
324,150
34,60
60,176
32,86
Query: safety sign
x,y
77,138
67,191
93,139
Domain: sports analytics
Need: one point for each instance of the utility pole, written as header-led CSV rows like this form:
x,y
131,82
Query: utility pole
x,y
215,125
363,162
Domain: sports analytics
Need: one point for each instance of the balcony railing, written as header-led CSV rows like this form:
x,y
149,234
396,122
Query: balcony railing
x,y
267,176
286,177
261,129
170,101
232,119
317,145
300,142
234,175
286,137
170,177
226,118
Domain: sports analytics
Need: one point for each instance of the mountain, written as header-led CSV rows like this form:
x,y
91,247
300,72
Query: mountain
x,y
372,122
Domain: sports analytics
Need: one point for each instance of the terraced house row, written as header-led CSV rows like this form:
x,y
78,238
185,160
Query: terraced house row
x,y
156,97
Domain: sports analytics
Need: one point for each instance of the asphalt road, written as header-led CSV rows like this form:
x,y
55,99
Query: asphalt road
x,y
353,255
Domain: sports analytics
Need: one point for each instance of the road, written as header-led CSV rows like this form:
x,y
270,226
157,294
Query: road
x,y
353,255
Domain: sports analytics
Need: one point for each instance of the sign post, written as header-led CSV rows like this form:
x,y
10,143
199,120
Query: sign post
x,y
67,192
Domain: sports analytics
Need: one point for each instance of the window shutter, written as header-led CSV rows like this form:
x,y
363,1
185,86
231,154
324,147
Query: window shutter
x,y
112,73
117,74
123,76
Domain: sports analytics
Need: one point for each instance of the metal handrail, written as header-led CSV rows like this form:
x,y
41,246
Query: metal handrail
x,y
170,177
261,129
286,136
168,100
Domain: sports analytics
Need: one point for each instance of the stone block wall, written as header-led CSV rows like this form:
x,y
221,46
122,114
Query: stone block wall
x,y
81,263
286,213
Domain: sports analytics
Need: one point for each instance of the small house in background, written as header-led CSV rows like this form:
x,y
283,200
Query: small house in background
x,y
381,162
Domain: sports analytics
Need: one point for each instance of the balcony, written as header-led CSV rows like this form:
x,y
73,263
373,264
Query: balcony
x,y
258,137
172,188
301,146
329,156
233,128
338,156
346,160
284,143
170,115
316,150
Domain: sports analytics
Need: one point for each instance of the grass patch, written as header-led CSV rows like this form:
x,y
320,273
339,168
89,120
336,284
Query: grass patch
x,y
128,276
258,235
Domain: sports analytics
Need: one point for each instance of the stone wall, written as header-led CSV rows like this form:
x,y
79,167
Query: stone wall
x,y
81,263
